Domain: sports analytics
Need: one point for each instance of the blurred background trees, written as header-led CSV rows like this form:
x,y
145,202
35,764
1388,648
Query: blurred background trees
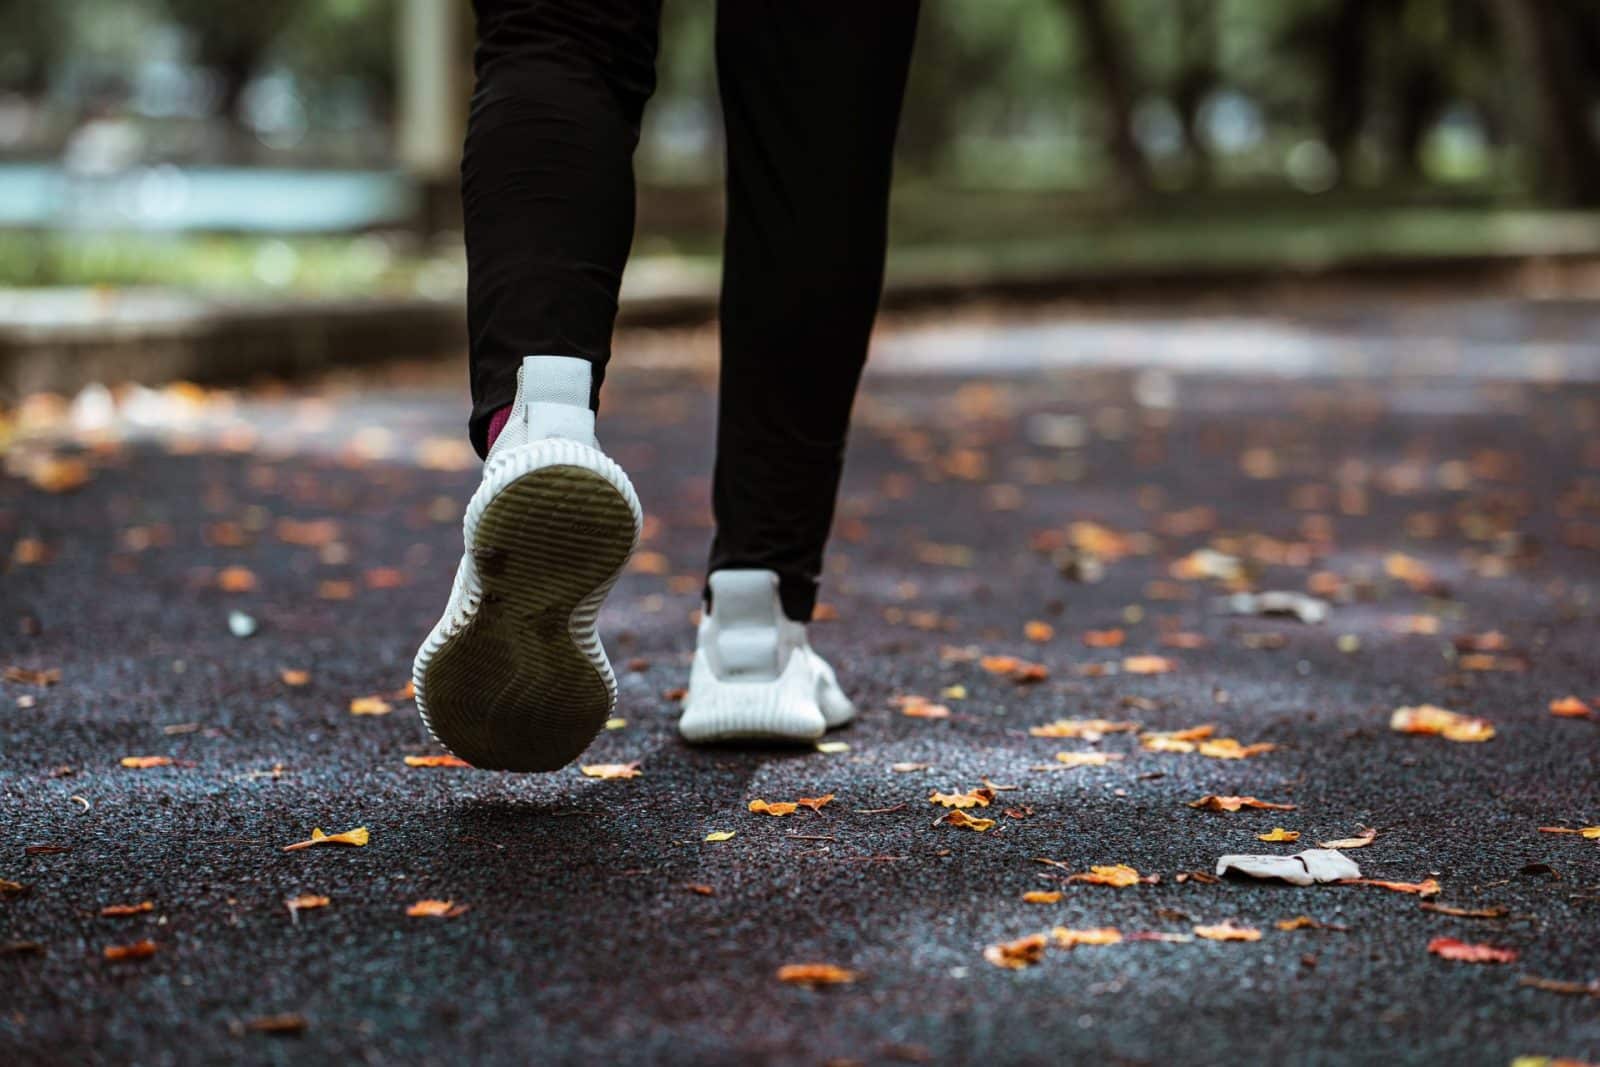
x,y
1141,106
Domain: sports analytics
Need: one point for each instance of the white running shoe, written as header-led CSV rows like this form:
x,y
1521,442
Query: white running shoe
x,y
755,676
513,677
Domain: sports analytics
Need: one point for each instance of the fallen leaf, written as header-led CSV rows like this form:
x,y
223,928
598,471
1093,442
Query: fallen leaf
x,y
1428,719
1306,922
970,822
1451,949
1148,665
142,763
831,748
58,474
1570,708
137,951
1428,887
1228,931
435,909
1084,729
1041,896
1018,670
1038,631
119,911
1361,840
917,707
1211,802
1087,759
815,803
1118,875
27,676
781,808
306,902
236,580
978,798
1553,985
1590,832
700,888
1278,833
720,835
1158,935
1015,955
1175,740
907,768
370,705
1229,748
815,974
355,838
1102,935
287,1023
611,770
1104,638
440,760
1464,913
8,888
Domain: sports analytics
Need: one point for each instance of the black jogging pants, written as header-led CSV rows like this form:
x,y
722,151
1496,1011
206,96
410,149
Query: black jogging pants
x,y
811,93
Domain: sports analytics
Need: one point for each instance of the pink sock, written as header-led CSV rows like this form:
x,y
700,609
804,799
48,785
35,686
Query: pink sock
x,y
497,422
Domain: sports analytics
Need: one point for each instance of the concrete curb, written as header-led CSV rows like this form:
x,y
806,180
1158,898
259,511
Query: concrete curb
x,y
62,340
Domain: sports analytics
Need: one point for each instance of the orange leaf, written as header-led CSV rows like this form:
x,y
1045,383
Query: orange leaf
x,y
1428,719
1040,896
1175,740
1426,888
1102,935
1119,875
306,902
1229,748
782,808
291,676
1085,729
1466,952
1211,802
441,760
137,951
1038,631
236,580
118,911
355,838
1590,832
142,763
815,803
1570,708
1148,665
1015,955
1361,840
815,974
1228,931
1104,638
435,909
961,818
917,707
611,770
1018,670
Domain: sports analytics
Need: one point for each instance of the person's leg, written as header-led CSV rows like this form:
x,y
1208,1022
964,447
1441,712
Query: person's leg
x,y
811,97
547,183
513,676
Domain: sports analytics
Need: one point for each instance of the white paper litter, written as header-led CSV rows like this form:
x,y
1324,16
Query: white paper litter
x,y
1303,868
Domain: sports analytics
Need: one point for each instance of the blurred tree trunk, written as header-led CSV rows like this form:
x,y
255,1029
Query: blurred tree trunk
x,y
1197,77
1421,95
1346,63
1544,40
1108,53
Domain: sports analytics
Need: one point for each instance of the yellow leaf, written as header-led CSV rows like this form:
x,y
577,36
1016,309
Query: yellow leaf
x,y
1087,759
1148,665
373,705
1279,834
973,798
1084,729
142,763
1103,935
720,835
357,838
291,676
1118,875
1361,840
1228,931
782,808
1211,802
833,747
1428,719
611,770
1040,896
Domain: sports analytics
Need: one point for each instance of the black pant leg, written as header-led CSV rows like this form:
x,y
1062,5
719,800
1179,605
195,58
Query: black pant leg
x,y
547,182
811,95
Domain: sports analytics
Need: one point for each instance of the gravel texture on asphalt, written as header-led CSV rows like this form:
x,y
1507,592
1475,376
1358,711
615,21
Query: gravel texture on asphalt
x,y
602,926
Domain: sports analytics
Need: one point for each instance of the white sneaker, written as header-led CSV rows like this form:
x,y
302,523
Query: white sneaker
x,y
755,676
513,676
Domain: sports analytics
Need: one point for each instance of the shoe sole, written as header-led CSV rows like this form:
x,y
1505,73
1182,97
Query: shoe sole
x,y
524,684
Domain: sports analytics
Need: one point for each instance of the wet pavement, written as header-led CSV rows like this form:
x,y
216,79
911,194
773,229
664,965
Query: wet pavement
x,y
1449,517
